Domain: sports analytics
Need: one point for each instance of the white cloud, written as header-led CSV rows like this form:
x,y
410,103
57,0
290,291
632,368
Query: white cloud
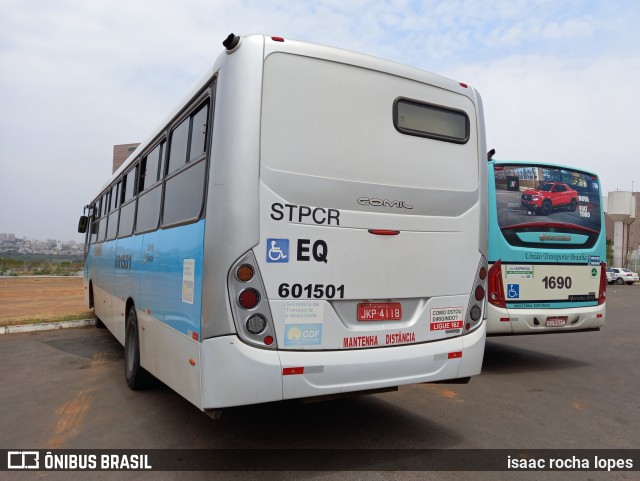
x,y
81,75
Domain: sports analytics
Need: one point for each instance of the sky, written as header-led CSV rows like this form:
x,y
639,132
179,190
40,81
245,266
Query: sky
x,y
559,80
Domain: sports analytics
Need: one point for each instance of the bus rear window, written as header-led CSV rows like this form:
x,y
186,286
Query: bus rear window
x,y
432,121
547,206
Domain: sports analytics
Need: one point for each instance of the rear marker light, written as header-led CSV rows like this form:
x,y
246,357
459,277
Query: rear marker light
x,y
475,313
599,316
291,371
504,319
455,355
383,232
192,362
249,298
462,84
244,273
277,39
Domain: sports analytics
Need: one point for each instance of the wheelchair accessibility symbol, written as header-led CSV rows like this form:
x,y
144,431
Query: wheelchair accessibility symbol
x,y
513,291
277,250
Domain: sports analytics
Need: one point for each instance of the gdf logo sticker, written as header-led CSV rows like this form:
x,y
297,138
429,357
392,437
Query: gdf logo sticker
x,y
277,250
302,334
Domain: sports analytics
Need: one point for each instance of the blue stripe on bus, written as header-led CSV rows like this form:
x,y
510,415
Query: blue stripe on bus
x,y
150,269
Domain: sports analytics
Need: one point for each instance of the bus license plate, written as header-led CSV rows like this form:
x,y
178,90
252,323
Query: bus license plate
x,y
559,321
380,311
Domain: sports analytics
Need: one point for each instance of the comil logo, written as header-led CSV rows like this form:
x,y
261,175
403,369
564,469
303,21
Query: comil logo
x,y
23,460
400,204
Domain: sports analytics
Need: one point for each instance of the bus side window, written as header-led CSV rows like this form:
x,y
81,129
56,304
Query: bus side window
x,y
149,168
128,209
150,196
178,146
183,195
199,133
184,190
95,216
112,229
102,227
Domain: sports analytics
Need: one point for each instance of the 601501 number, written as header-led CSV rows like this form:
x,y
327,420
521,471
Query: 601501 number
x,y
552,282
315,291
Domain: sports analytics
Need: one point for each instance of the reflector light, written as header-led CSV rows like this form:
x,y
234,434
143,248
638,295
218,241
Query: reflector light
x,y
290,371
194,336
383,232
268,340
455,355
277,39
468,326
192,362
505,319
479,293
599,316
256,324
244,273
249,298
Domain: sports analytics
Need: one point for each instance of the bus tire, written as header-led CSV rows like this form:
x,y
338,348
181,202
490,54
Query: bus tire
x,y
136,376
546,208
92,305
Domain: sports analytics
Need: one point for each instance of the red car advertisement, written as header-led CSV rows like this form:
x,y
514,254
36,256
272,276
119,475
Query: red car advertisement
x,y
549,196
538,198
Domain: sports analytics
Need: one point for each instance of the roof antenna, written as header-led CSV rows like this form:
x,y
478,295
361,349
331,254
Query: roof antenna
x,y
231,41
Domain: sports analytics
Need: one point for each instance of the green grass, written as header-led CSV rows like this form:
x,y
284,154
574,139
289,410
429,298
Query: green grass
x,y
46,318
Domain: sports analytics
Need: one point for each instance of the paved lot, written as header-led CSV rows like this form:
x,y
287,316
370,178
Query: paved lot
x,y
66,389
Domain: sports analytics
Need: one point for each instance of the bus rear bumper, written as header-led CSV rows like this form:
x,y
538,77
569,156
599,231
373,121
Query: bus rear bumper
x,y
505,321
235,374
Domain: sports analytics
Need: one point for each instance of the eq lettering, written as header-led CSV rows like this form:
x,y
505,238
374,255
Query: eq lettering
x,y
319,251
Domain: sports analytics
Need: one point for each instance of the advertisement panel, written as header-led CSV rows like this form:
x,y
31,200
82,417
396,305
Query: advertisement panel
x,y
547,199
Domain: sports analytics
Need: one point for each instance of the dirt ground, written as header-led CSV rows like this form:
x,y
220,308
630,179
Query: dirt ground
x,y
41,299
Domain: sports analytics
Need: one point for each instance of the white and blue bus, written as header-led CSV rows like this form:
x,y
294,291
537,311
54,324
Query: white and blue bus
x,y
547,249
289,231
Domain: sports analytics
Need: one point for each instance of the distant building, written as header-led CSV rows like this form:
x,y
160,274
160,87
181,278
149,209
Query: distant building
x,y
121,153
627,239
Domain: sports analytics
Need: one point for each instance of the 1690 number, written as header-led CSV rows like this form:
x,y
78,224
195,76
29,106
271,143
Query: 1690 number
x,y
316,291
552,282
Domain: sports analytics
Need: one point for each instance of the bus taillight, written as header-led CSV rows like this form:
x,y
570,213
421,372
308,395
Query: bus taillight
x,y
476,299
250,306
249,298
602,292
496,288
